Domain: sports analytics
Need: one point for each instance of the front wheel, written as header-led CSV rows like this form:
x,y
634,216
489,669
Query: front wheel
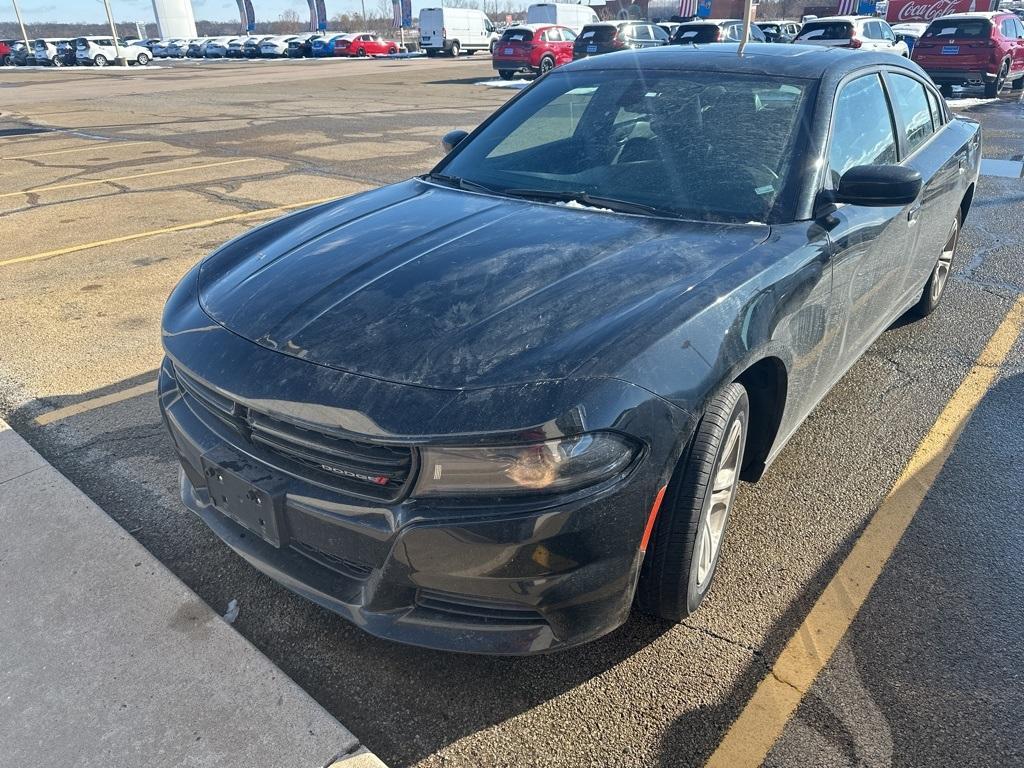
x,y
392,51
143,60
56,61
939,278
683,551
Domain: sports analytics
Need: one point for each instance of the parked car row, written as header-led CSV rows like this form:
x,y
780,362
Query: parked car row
x,y
96,50
306,45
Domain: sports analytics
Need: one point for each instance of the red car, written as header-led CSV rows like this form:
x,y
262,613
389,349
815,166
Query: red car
x,y
6,56
973,49
363,44
536,48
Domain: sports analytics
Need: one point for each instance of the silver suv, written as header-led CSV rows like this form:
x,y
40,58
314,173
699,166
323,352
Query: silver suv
x,y
864,33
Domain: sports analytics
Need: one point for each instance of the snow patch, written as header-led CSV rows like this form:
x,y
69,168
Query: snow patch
x,y
517,84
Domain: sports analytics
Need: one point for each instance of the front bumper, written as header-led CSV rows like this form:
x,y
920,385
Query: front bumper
x,y
501,578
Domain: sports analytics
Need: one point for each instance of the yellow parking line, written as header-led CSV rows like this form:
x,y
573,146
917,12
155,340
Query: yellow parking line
x,y
761,723
101,145
97,402
166,230
125,178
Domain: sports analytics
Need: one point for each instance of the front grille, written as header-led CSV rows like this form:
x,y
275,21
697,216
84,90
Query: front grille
x,y
319,456
475,610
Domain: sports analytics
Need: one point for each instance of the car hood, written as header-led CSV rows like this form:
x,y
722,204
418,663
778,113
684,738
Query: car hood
x,y
421,284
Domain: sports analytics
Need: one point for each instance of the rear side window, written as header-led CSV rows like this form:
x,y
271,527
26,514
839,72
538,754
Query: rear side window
x,y
910,102
969,29
697,33
828,30
1008,28
862,130
933,104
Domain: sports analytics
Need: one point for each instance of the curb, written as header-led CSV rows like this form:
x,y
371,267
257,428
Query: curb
x,y
109,657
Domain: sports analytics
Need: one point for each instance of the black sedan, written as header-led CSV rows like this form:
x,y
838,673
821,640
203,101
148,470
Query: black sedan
x,y
491,408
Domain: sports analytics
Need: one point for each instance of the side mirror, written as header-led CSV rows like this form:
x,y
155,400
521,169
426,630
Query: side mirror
x,y
878,186
451,139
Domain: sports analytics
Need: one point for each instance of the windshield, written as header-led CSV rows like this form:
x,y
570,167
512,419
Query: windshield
x,y
826,30
697,33
696,145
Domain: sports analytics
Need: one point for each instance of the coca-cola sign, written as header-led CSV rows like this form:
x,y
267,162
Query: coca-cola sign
x,y
899,11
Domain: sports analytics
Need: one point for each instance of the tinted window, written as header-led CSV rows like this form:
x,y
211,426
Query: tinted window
x,y
697,33
517,36
971,29
1009,30
642,32
659,138
910,102
594,34
826,30
862,132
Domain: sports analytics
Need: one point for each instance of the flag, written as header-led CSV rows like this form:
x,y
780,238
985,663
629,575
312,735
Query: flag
x,y
687,8
847,7
396,13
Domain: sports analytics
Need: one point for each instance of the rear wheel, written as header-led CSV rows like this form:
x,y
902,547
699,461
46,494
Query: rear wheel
x,y
431,53
992,89
100,60
546,65
506,74
455,50
56,61
392,51
361,52
688,534
939,278
7,60
1018,83
494,44
946,90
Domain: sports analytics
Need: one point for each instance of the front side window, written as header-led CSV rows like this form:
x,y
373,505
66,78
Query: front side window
x,y
697,145
910,102
862,130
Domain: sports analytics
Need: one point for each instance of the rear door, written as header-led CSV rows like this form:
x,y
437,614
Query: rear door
x,y
870,244
1012,32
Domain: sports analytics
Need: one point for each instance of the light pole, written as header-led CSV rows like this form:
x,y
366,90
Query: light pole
x,y
363,3
119,60
24,34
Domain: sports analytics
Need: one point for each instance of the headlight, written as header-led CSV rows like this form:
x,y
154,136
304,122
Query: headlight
x,y
554,465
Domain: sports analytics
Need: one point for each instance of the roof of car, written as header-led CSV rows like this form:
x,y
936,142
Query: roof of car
x,y
792,60
850,19
535,27
987,15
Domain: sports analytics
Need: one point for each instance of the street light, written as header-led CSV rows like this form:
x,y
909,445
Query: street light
x,y
24,34
119,60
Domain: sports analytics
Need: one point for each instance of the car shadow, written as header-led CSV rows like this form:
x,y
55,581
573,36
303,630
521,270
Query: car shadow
x,y
910,640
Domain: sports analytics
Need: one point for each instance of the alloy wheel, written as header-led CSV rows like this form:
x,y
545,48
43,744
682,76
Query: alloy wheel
x,y
719,502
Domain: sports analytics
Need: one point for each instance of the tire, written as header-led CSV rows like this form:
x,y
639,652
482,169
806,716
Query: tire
x,y
455,50
143,60
361,52
392,51
506,74
1017,84
494,44
431,53
546,65
7,61
946,90
992,89
471,52
935,288
684,548
55,61
99,60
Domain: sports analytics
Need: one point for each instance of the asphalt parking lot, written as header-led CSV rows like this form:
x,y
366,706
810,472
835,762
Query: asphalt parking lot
x,y
114,184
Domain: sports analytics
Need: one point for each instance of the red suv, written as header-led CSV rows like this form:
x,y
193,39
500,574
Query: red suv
x,y
973,49
6,55
536,48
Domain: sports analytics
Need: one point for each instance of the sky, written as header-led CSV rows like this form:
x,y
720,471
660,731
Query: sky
x,y
142,10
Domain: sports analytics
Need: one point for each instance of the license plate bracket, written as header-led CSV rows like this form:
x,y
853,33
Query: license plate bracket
x,y
237,494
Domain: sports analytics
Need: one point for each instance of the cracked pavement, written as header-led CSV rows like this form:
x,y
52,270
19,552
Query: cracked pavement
x,y
916,679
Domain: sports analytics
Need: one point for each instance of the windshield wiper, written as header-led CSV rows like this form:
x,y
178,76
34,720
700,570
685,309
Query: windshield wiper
x,y
593,201
461,183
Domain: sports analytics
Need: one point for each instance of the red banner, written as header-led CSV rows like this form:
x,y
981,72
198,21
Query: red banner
x,y
928,10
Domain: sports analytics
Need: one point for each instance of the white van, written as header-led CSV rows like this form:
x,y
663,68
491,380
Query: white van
x,y
453,30
575,17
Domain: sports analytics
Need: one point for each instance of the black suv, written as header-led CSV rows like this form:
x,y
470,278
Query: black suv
x,y
609,36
